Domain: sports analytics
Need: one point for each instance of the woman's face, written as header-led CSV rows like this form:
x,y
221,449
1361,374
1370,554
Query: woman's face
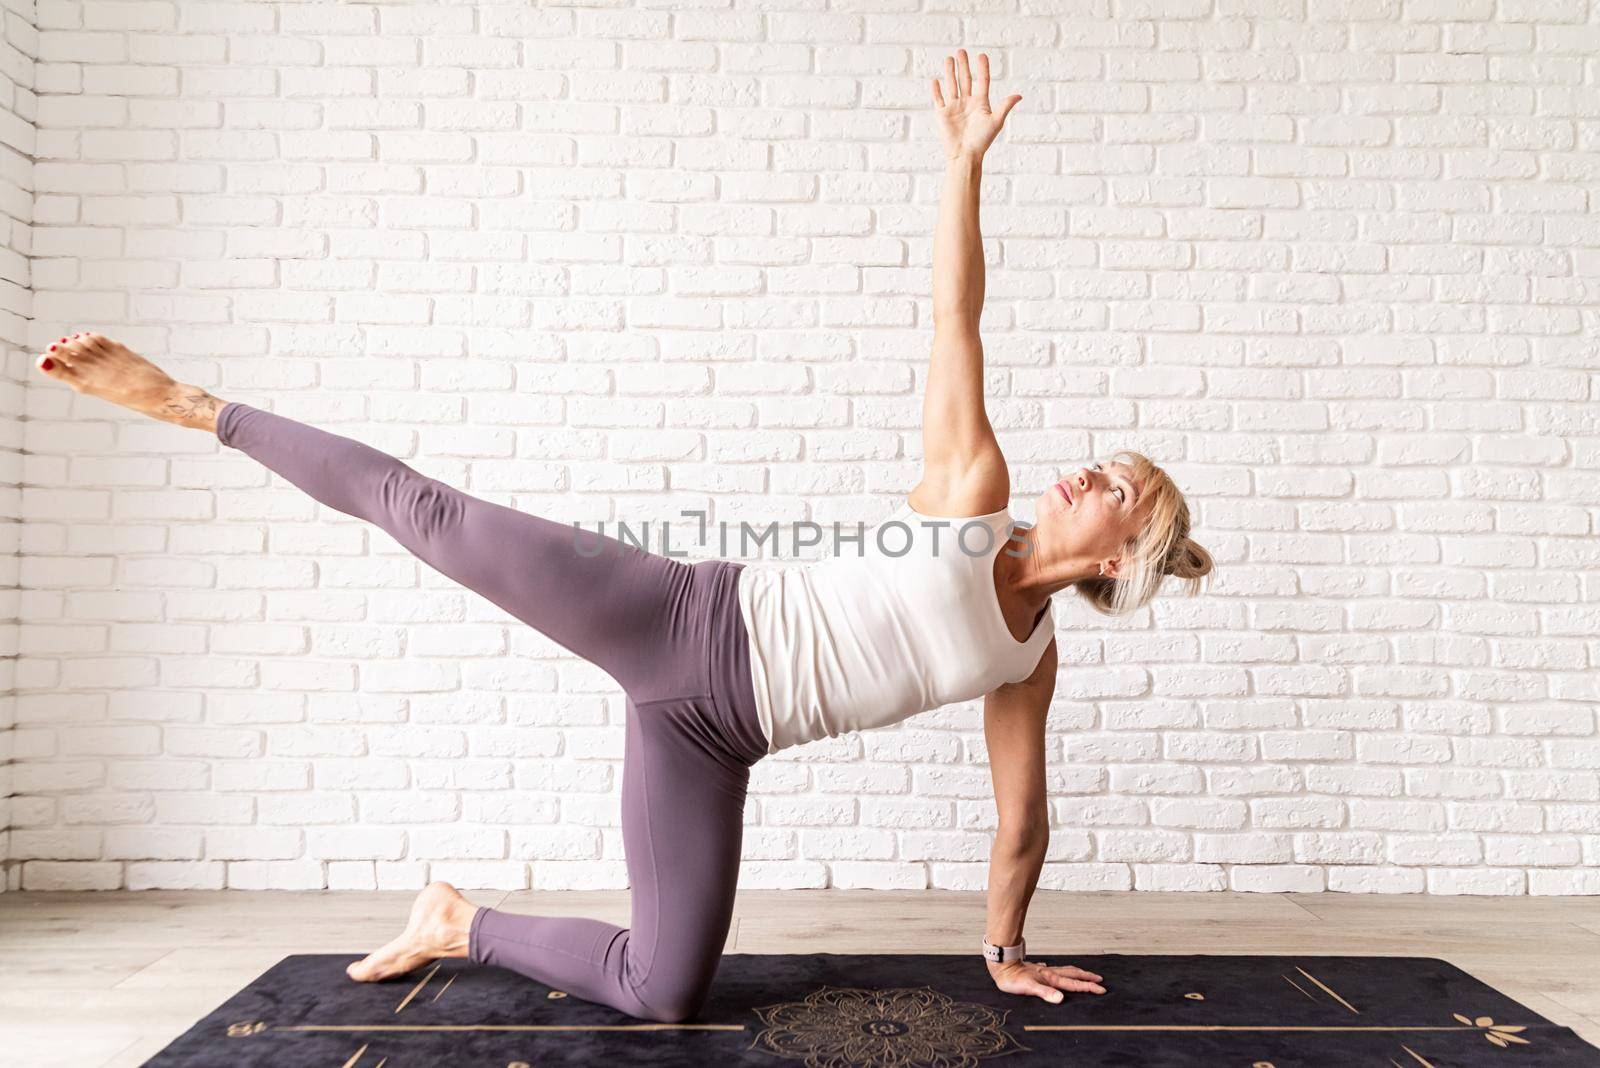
x,y
1087,516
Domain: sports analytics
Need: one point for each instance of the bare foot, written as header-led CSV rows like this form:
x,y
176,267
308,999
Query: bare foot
x,y
441,920
94,364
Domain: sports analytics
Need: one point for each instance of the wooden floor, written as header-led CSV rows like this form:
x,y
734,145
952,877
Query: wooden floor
x,y
109,978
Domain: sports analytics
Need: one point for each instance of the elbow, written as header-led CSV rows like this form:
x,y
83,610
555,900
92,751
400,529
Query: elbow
x,y
955,317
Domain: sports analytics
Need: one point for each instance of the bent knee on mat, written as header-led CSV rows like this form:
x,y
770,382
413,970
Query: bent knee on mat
x,y
671,1005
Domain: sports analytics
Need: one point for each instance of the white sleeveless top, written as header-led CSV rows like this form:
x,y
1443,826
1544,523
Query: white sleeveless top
x,y
905,622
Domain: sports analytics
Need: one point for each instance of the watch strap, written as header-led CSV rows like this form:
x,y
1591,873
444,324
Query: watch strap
x,y
1001,954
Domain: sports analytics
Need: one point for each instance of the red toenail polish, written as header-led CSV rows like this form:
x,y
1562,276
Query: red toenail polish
x,y
49,364
52,348
62,339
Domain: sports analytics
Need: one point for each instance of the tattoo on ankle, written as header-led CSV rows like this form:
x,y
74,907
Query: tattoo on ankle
x,y
191,403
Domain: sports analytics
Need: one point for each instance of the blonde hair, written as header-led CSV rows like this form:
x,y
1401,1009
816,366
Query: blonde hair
x,y
1161,548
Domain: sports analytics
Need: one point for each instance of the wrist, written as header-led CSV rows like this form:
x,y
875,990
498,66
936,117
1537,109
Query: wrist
x,y
996,954
964,159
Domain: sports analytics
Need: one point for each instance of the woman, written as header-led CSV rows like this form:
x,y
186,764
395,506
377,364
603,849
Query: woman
x,y
723,663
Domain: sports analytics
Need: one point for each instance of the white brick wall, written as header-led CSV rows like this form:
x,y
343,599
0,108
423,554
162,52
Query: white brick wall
x,y
18,47
1336,269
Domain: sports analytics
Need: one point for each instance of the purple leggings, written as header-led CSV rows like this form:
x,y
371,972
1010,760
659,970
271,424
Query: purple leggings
x,y
673,637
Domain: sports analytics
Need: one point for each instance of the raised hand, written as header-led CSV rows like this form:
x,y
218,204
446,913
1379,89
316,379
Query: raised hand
x,y
1038,978
967,125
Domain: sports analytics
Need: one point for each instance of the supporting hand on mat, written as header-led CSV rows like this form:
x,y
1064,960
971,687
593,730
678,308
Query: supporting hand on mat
x,y
1037,977
966,124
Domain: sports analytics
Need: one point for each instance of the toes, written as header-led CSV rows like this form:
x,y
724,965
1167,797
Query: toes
x,y
84,341
363,970
70,354
71,351
51,365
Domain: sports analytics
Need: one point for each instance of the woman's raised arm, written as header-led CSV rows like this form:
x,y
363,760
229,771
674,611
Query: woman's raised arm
x,y
964,472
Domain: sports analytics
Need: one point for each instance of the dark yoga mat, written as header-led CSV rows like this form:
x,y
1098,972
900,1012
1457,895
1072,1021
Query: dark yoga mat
x,y
827,1010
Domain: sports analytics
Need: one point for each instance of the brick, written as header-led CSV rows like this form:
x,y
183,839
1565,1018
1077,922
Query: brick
x,y
717,295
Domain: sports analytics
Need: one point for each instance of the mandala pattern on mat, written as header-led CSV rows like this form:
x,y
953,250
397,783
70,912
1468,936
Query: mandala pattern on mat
x,y
903,1027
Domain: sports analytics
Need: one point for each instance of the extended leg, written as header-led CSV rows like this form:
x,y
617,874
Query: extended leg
x,y
611,603
616,605
682,827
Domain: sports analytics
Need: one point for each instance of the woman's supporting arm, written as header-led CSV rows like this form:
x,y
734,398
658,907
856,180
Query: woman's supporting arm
x,y
1014,718
964,472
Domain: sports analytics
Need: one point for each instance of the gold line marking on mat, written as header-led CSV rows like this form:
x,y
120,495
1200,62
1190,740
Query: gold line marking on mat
x,y
1329,989
356,1056
442,989
1296,985
558,1027
1222,1027
416,988
1420,1058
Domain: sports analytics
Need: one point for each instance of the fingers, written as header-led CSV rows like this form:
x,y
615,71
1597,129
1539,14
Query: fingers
x,y
961,82
938,94
980,84
1056,977
1005,109
1038,979
1069,977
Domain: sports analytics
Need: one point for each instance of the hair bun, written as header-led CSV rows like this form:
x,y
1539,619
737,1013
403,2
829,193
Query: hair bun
x,y
1188,560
